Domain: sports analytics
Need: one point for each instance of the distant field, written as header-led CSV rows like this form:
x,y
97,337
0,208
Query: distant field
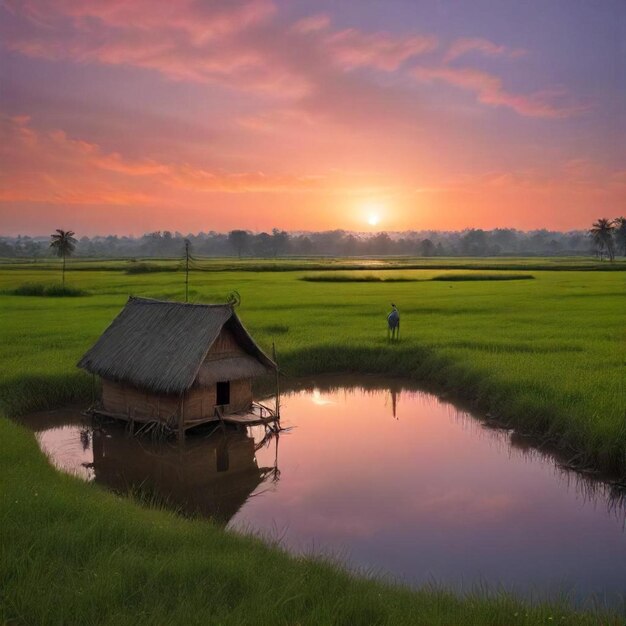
x,y
294,264
386,277
546,355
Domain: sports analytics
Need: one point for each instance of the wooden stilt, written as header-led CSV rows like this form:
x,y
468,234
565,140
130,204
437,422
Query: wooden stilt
x,y
277,381
181,419
130,421
218,412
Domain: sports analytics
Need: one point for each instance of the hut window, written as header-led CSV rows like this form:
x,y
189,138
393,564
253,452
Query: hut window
x,y
223,393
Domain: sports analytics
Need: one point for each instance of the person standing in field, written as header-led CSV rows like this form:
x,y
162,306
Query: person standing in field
x,y
393,322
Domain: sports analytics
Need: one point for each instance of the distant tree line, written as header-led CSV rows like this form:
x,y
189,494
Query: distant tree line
x,y
605,239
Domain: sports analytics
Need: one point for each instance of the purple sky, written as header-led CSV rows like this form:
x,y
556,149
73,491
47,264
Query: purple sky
x,y
128,116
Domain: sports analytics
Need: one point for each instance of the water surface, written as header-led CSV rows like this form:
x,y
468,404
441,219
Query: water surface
x,y
389,479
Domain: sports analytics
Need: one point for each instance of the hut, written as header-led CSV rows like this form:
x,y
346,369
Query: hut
x,y
177,364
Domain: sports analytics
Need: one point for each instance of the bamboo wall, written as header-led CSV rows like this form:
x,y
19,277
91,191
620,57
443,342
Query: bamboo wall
x,y
139,405
240,395
199,402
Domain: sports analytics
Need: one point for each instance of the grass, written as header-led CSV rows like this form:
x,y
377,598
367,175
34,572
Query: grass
x,y
354,277
542,354
383,277
478,276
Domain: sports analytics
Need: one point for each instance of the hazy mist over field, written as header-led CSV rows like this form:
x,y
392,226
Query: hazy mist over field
x,y
242,243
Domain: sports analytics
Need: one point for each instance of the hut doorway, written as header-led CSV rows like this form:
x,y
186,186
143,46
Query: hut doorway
x,y
223,393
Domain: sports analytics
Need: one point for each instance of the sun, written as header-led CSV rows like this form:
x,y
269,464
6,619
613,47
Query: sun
x,y
373,212
373,219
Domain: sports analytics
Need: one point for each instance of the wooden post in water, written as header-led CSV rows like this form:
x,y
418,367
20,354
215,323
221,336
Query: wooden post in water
x,y
181,419
218,412
277,381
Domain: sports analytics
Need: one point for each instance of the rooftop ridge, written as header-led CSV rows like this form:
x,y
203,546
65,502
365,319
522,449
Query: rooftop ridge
x,y
144,300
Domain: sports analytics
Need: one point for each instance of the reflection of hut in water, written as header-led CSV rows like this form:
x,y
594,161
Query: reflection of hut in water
x,y
211,476
176,364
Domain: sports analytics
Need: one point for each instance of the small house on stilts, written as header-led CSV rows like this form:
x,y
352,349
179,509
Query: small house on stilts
x,y
178,365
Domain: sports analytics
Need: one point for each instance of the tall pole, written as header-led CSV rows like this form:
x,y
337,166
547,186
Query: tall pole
x,y
186,270
277,381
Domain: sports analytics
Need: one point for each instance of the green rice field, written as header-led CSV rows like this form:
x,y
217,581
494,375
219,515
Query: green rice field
x,y
546,356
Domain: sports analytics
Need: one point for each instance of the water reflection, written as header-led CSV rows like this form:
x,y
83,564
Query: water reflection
x,y
209,475
390,478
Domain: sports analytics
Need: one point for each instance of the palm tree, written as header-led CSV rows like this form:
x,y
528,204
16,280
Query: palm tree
x,y
620,233
602,235
64,244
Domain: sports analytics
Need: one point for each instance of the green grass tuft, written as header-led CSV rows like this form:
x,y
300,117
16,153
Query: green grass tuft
x,y
148,268
53,291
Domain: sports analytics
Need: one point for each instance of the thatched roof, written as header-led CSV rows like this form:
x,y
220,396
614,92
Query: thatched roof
x,y
161,346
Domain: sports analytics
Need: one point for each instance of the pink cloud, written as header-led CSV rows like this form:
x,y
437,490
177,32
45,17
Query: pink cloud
x,y
353,48
188,40
312,24
52,167
239,45
47,167
490,90
199,19
114,162
465,45
276,119
570,177
232,43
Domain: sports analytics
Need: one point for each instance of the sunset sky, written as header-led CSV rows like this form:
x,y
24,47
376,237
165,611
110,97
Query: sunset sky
x,y
126,116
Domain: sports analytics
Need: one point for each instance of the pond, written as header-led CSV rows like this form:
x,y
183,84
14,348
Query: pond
x,y
388,479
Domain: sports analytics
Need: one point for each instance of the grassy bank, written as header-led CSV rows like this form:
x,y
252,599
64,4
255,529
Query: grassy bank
x,y
542,353
72,553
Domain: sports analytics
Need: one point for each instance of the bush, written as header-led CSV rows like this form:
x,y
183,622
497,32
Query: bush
x,y
28,289
61,291
53,291
146,268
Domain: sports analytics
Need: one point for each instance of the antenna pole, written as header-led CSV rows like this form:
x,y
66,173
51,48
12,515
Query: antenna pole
x,y
186,270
